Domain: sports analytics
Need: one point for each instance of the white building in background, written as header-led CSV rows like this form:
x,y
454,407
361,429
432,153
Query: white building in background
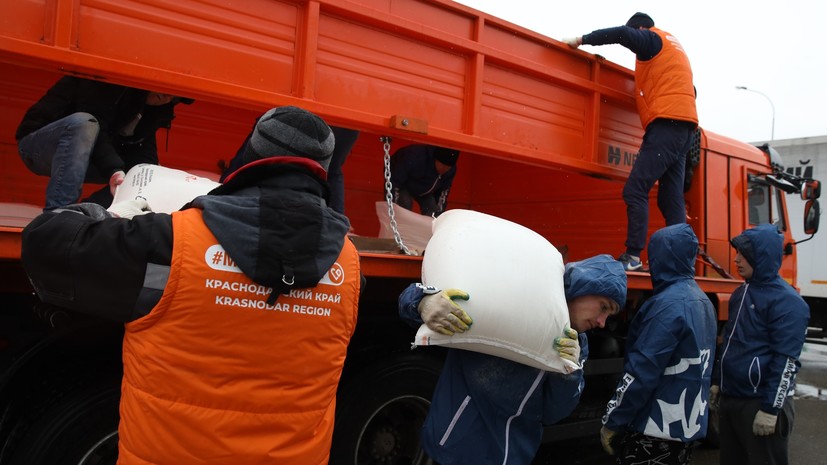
x,y
807,157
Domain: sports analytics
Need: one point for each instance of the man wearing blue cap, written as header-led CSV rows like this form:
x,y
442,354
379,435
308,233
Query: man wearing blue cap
x,y
487,409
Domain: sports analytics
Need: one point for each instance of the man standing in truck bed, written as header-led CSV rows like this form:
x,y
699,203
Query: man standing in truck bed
x,y
238,310
665,99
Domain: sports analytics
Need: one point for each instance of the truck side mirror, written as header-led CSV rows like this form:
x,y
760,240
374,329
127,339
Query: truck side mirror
x,y
812,212
810,189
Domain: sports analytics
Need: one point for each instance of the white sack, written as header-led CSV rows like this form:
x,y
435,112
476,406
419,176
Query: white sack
x,y
514,278
165,189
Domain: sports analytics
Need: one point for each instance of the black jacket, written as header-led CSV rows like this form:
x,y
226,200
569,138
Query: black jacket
x,y
113,106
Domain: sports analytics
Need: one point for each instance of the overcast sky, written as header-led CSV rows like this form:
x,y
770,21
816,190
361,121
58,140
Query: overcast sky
x,y
776,48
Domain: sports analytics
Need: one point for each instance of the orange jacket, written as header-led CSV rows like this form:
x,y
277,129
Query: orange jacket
x,y
215,376
664,84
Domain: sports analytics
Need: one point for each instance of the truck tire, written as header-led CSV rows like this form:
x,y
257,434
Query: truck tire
x,y
81,429
381,410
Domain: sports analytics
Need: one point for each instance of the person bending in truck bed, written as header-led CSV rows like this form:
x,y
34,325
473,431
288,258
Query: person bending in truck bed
x,y
238,309
659,410
488,409
423,173
665,97
84,130
754,379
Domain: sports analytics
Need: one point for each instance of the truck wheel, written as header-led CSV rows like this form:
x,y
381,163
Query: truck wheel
x,y
82,429
381,411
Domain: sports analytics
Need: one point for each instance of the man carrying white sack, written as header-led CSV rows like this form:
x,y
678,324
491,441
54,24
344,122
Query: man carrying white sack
x,y
487,409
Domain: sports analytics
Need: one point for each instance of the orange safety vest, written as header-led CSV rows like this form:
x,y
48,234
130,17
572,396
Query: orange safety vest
x,y
664,84
213,375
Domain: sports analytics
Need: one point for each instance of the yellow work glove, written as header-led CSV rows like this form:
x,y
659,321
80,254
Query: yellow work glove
x,y
606,438
441,314
568,346
764,423
714,393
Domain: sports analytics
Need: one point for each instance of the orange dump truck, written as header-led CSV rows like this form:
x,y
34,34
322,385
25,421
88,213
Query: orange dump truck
x,y
547,135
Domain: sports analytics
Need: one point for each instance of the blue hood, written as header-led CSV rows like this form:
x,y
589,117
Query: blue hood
x,y
598,275
763,247
672,252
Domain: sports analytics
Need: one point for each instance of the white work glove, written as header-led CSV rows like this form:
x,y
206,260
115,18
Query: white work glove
x,y
129,208
441,314
568,347
714,394
606,438
573,42
764,423
115,180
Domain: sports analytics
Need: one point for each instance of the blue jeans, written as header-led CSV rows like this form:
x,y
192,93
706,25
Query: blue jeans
x,y
61,150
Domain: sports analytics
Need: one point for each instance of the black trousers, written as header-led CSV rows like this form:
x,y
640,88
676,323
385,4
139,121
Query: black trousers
x,y
740,446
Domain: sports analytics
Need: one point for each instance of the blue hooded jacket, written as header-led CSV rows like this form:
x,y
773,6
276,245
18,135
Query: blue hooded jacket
x,y
488,409
670,349
767,326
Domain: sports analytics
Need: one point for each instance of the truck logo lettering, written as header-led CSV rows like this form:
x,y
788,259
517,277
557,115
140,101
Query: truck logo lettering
x,y
614,155
619,157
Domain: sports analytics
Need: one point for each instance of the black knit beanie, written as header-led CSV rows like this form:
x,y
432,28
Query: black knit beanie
x,y
291,131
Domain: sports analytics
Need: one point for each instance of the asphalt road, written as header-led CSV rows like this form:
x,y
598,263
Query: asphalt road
x,y
807,445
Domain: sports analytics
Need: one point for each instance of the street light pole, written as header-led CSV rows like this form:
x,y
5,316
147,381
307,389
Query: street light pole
x,y
772,134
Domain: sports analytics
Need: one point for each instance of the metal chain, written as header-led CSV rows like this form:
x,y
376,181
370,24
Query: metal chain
x,y
715,266
386,146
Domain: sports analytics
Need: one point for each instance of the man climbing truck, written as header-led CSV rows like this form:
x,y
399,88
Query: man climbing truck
x,y
547,135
